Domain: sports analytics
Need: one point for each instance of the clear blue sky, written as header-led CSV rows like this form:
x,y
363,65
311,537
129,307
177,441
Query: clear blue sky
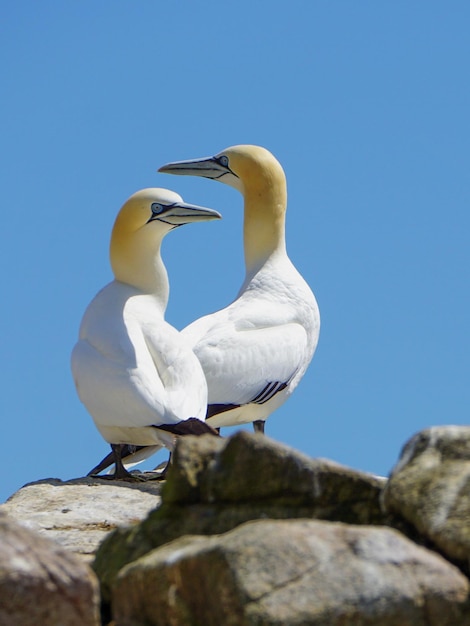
x,y
366,104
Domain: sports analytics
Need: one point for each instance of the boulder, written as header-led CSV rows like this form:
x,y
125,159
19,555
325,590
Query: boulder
x,y
430,488
216,484
253,468
248,531
78,514
292,573
40,583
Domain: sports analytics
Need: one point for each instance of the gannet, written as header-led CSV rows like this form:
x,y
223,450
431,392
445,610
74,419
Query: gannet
x,y
255,351
136,374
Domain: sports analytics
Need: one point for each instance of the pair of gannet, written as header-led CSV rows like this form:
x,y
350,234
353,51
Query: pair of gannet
x,y
137,375
255,351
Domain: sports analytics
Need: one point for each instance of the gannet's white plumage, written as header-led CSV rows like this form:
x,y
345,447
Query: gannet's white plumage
x,y
134,372
255,351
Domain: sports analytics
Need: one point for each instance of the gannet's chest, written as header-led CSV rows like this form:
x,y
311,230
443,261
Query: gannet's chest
x,y
279,292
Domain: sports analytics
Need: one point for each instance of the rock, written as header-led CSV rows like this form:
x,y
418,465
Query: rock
x,y
249,531
216,484
251,468
40,583
292,572
79,513
430,487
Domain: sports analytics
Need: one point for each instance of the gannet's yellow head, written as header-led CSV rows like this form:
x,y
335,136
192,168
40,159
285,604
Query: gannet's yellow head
x,y
245,167
158,210
142,223
258,175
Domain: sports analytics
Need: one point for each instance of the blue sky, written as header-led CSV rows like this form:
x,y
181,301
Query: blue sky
x,y
365,104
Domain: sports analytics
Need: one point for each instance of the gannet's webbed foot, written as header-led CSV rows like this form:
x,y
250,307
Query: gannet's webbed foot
x,y
109,459
157,473
258,426
120,472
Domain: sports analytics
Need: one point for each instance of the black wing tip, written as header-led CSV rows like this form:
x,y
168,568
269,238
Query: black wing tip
x,y
215,409
268,392
191,426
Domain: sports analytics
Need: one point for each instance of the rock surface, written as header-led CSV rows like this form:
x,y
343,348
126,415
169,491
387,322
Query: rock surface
x,y
254,468
281,573
42,584
430,487
249,531
216,484
78,514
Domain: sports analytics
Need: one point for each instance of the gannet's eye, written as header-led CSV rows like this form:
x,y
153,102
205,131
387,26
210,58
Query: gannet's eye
x,y
223,160
157,208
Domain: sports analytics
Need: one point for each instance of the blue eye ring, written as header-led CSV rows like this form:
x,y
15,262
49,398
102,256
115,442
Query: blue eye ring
x,y
157,208
223,160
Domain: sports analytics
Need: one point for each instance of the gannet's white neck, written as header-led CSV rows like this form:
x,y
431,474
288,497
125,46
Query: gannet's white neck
x,y
261,179
136,261
264,221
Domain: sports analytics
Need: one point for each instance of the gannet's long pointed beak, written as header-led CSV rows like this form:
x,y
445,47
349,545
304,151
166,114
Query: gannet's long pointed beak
x,y
209,167
216,168
179,213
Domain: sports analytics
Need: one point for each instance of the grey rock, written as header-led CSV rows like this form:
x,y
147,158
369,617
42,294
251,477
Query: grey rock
x,y
216,484
250,467
430,488
42,584
292,572
78,514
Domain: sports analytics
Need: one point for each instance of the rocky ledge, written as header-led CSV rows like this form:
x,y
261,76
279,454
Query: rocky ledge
x,y
247,531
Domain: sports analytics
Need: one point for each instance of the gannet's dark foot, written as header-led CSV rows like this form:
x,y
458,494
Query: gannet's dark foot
x,y
152,475
110,458
258,426
120,472
160,472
